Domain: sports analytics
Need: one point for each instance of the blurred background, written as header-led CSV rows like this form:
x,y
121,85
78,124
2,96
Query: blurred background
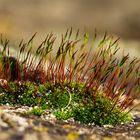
x,y
121,18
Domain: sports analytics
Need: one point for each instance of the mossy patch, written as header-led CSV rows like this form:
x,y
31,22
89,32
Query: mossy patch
x,y
82,81
36,111
65,102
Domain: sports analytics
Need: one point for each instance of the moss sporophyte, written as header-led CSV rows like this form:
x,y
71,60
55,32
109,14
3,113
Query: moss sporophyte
x,y
81,81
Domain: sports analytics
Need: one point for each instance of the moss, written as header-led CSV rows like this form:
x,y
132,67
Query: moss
x,y
69,101
64,114
36,111
90,86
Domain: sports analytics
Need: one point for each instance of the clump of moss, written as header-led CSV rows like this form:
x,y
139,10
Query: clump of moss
x,y
91,88
65,102
36,111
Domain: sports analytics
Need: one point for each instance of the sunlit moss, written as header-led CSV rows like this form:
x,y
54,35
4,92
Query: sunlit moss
x,y
84,82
